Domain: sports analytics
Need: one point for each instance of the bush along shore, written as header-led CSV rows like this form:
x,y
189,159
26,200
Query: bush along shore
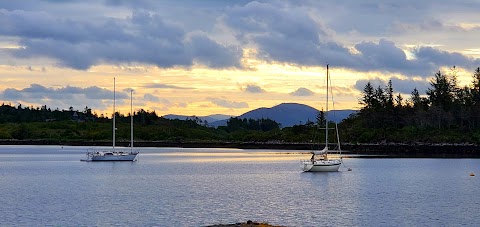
x,y
349,150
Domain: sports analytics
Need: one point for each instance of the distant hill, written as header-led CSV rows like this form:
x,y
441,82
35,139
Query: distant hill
x,y
287,114
209,118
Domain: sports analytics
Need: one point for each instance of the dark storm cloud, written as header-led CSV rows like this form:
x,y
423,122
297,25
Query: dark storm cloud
x,y
38,92
63,97
404,86
386,56
280,34
286,35
212,54
144,37
430,54
154,4
142,4
376,82
169,34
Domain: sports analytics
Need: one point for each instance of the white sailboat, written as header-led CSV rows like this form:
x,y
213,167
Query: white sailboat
x,y
115,154
320,161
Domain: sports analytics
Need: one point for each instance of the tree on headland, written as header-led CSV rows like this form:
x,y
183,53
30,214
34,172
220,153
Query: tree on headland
x,y
235,124
446,113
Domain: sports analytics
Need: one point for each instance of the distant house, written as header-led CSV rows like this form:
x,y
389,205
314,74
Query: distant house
x,y
77,118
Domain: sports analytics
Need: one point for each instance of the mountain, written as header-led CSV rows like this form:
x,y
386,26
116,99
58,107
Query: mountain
x,y
209,118
288,114
219,117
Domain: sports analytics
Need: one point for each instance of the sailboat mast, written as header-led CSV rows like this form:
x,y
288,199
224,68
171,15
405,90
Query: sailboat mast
x,y
114,114
326,115
131,120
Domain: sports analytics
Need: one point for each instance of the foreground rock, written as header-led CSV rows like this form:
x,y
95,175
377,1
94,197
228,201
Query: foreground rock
x,y
245,224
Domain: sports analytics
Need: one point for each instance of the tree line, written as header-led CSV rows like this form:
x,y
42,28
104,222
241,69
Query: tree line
x,y
446,113
23,123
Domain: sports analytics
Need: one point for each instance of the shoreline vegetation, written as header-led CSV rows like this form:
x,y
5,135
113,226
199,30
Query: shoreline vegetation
x,y
398,150
442,122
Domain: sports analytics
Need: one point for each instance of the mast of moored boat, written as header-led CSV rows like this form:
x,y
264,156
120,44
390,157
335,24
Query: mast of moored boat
x,y
336,124
326,116
131,120
113,114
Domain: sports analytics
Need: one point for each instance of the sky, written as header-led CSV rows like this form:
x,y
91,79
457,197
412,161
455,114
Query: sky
x,y
227,56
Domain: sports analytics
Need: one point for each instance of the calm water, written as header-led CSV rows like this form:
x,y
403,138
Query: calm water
x,y
48,185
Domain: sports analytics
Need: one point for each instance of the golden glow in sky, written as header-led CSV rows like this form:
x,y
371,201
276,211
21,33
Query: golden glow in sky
x,y
199,90
227,57
194,91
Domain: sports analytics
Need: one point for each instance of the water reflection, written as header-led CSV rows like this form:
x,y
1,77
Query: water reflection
x,y
197,187
202,157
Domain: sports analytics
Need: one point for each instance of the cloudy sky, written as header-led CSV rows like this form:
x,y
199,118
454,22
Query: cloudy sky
x,y
227,57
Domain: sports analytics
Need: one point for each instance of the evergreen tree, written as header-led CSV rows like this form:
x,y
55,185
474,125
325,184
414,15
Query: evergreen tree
x,y
321,119
368,96
399,100
475,90
442,91
415,98
380,100
389,95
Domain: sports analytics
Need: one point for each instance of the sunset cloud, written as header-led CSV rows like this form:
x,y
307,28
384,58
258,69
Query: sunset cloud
x,y
161,86
302,92
142,37
65,96
227,103
254,89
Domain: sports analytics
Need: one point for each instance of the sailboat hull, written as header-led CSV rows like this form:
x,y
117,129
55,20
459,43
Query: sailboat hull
x,y
322,166
111,158
100,156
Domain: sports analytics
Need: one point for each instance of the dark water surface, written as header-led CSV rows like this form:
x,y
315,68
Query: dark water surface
x,y
48,185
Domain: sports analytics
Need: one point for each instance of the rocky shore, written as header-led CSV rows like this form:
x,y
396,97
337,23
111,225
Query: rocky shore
x,y
245,224
416,150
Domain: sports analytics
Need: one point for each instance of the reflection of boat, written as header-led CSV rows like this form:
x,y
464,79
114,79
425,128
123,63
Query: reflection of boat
x,y
115,155
320,161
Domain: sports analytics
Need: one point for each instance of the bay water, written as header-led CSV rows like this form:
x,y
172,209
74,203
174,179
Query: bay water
x,y
50,186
